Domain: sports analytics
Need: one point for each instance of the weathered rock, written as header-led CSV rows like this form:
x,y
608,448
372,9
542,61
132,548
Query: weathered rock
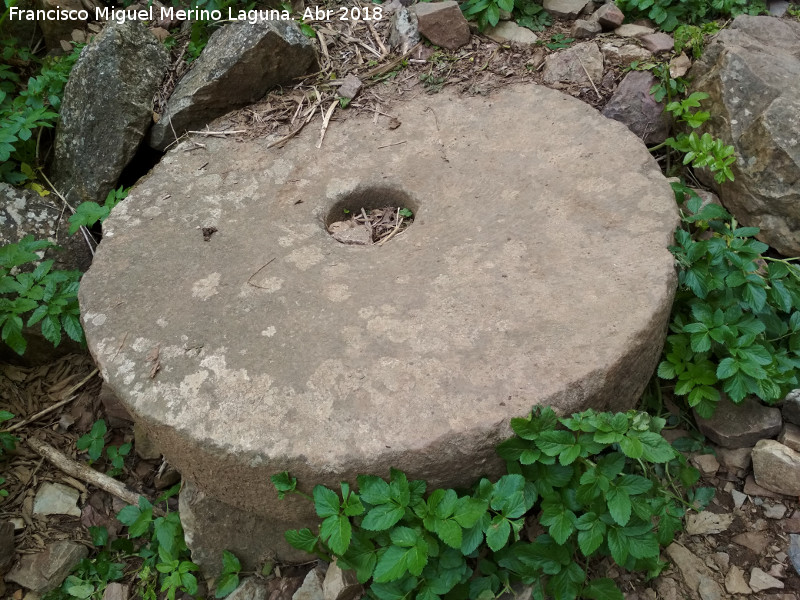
x,y
734,458
790,409
740,425
609,16
778,8
442,23
760,581
311,588
790,436
340,585
262,389
508,31
707,523
775,511
633,105
118,591
696,575
794,551
657,42
576,64
56,499
582,29
735,582
107,109
757,541
738,498
350,87
679,65
144,447
620,53
707,463
116,413
55,30
7,548
777,467
250,588
240,63
634,31
46,570
349,232
404,32
751,488
564,9
752,74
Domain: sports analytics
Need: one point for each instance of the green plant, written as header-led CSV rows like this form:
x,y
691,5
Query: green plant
x,y
43,295
228,580
668,14
794,11
691,38
487,13
736,317
531,15
600,484
406,213
559,41
7,441
89,213
94,444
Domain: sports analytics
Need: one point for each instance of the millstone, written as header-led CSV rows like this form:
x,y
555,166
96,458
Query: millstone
x,y
536,272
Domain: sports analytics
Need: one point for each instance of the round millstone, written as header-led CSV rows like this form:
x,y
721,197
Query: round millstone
x,y
536,272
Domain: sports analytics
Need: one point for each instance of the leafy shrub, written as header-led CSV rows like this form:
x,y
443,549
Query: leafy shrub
x,y
89,213
527,13
668,14
594,481
94,443
736,316
41,296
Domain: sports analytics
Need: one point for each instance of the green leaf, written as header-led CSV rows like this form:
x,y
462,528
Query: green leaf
x,y
617,545
655,448
302,539
619,505
283,483
392,564
469,511
230,564
631,446
373,490
226,584
497,533
326,501
591,533
602,589
382,517
450,532
336,531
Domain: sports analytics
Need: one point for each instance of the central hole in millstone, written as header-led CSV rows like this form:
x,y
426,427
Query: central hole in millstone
x,y
370,216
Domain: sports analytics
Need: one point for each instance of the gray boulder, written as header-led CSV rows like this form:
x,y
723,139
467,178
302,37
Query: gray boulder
x,y
752,74
107,108
633,105
239,65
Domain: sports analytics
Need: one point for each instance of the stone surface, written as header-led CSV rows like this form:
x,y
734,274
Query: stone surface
x,y
350,87
634,31
609,16
55,30
760,581
575,65
508,31
116,413
790,409
707,464
404,32
740,425
423,339
657,42
7,552
633,105
46,570
790,436
751,488
757,541
679,65
250,588
734,458
240,63
778,8
582,29
442,23
144,447
774,511
794,551
696,575
340,585
735,582
752,74
738,498
107,109
707,523
565,9
56,499
118,591
311,588
620,53
776,467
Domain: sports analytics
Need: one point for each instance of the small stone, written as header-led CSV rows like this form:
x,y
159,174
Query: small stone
x,y
442,23
117,591
578,64
794,551
734,458
46,570
250,588
404,32
634,31
350,87
143,444
735,582
312,587
707,523
778,8
167,478
56,499
116,414
760,581
707,463
709,589
7,549
739,425
790,436
657,42
791,407
751,488
349,232
667,588
565,9
777,467
738,498
679,65
634,106
340,585
18,523
78,36
778,571
697,576
775,511
508,31
624,55
723,559
609,16
755,540
781,556
582,29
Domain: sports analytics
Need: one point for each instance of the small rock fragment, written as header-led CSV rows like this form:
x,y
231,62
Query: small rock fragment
x,y
404,32
349,232
707,463
776,467
734,458
46,570
564,9
791,407
755,540
778,8
738,498
117,591
790,436
585,29
740,425
752,489
679,65
723,559
760,581
775,511
581,64
695,573
707,523
56,499
312,587
350,87
634,31
609,16
508,31
340,585
250,588
633,105
657,42
735,582
442,23
624,54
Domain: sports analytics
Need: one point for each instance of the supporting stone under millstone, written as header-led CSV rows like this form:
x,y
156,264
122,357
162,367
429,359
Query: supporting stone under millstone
x,y
536,272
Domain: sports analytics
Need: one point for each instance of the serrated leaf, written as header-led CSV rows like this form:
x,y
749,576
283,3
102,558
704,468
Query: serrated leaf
x,y
226,584
382,517
373,490
617,545
336,531
450,532
392,565
497,533
602,589
326,501
302,539
619,505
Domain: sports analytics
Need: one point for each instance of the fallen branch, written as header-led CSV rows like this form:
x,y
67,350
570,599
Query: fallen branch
x,y
84,473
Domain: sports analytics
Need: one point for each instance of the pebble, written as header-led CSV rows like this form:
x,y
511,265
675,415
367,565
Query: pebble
x,y
738,498
707,463
760,581
794,551
774,511
707,523
735,582
56,499
755,540
312,587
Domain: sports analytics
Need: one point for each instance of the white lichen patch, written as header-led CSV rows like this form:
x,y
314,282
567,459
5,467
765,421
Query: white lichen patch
x,y
162,322
207,287
337,292
191,383
94,318
269,331
305,258
152,211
